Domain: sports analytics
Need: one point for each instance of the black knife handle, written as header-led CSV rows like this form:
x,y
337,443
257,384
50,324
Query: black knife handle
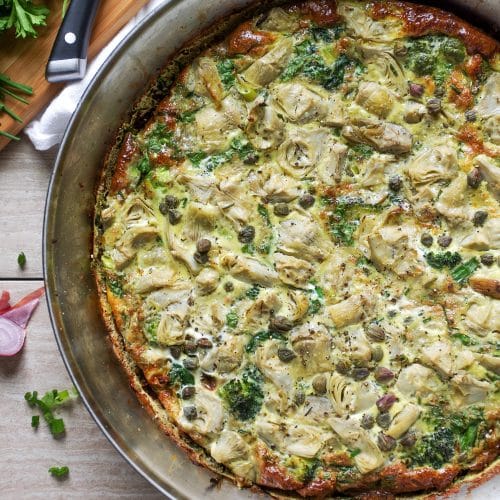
x,y
68,59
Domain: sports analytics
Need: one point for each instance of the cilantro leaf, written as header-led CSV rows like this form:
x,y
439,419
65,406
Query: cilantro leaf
x,y
59,471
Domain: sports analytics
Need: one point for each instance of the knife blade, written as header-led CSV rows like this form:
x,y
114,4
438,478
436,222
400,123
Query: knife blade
x,y
68,59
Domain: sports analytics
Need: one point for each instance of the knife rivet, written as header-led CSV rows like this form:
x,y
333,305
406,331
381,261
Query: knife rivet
x,y
70,38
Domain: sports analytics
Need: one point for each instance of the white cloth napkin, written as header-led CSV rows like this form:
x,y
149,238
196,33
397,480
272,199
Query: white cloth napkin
x,y
48,129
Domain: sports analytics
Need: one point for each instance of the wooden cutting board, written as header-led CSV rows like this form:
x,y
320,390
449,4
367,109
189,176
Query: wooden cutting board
x,y
24,60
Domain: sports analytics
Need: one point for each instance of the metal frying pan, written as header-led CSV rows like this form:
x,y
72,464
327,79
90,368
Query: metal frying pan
x,y
71,293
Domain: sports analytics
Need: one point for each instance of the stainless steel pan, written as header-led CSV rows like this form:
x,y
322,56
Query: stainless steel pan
x,y
71,293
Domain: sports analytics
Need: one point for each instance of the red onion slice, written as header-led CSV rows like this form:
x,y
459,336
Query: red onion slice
x,y
4,302
22,314
11,337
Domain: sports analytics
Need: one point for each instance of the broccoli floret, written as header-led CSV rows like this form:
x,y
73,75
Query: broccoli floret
x,y
422,64
434,55
434,449
243,397
453,433
453,50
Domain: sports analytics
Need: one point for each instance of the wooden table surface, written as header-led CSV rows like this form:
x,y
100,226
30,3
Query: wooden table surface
x,y
96,468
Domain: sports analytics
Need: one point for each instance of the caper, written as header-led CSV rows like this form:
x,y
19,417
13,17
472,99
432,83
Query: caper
x,y
377,353
169,202
395,182
280,324
203,245
487,259
228,286
416,90
383,375
470,115
386,402
319,384
474,178
191,363
204,343
444,240
306,201
281,209
360,373
299,398
367,421
251,159
247,234
286,355
188,392
174,217
433,105
375,332
176,351
190,412
479,218
343,367
408,440
190,347
384,420
426,239
201,258
385,442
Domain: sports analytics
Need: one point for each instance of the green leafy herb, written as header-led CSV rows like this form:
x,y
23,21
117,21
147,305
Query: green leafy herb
x,y
264,213
21,260
434,55
11,89
232,319
248,248
316,299
226,72
22,15
239,147
327,34
361,150
159,138
243,397
187,117
261,337
440,260
35,421
59,471
264,246
355,452
151,328
310,64
116,287
253,293
180,375
462,272
464,339
47,404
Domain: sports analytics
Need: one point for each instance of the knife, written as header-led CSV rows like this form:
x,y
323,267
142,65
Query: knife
x,y
68,59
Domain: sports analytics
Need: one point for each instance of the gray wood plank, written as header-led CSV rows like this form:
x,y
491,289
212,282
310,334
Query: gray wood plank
x,y
96,469
24,177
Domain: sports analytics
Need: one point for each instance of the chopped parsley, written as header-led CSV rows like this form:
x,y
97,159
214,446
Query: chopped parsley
x,y
261,337
264,213
116,287
253,293
59,471
21,260
440,260
180,375
226,71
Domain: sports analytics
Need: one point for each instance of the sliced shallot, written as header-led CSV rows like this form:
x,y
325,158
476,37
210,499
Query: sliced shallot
x,y
11,337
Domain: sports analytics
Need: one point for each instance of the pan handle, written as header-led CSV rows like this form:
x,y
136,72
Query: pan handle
x,y
68,59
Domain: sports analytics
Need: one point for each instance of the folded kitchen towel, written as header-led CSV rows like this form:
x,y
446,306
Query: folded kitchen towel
x,y
48,129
